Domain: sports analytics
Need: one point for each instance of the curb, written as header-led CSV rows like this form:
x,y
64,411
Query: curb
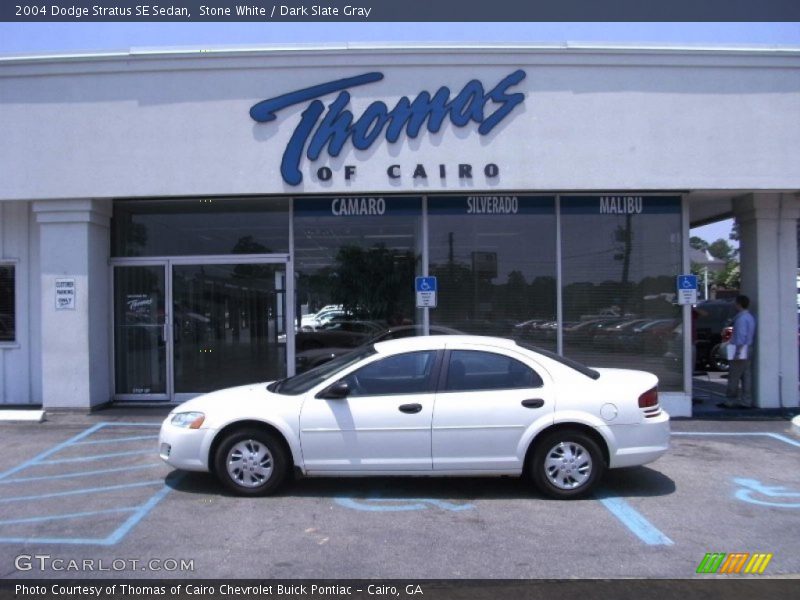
x,y
31,416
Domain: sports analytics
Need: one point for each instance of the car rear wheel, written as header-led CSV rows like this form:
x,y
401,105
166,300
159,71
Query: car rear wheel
x,y
566,464
251,462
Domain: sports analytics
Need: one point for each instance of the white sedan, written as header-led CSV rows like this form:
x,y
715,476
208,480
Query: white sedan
x,y
439,405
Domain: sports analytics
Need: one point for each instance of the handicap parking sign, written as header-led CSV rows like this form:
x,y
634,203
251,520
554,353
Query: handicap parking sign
x,y
426,284
687,289
426,289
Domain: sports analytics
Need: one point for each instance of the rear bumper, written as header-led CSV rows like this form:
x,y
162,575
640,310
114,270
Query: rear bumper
x,y
639,444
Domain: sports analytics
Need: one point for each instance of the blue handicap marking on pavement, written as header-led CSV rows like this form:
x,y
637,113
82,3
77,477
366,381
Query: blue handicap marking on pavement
x,y
755,492
687,282
635,522
87,465
399,504
425,284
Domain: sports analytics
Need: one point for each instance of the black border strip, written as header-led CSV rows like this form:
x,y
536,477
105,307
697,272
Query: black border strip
x,y
407,11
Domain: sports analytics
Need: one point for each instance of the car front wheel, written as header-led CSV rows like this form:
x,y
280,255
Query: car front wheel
x,y
251,462
566,464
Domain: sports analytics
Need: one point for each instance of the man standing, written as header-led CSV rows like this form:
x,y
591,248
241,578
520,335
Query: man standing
x,y
744,329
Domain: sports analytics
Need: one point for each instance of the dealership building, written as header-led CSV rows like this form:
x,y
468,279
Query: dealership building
x,y
170,221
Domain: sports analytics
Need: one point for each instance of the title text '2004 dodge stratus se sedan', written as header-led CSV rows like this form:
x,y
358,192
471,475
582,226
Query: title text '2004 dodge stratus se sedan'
x,y
439,405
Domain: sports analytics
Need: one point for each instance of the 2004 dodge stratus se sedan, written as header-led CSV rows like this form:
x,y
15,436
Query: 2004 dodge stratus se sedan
x,y
440,405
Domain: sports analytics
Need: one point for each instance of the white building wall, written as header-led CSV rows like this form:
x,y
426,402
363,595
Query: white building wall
x,y
768,239
74,243
593,119
35,323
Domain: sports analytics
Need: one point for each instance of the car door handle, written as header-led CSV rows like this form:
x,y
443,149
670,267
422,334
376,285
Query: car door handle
x,y
410,408
533,403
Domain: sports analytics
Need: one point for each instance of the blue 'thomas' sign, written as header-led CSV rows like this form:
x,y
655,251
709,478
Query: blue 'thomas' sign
x,y
320,130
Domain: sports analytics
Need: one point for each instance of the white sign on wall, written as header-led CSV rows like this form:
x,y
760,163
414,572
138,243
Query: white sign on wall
x,y
65,294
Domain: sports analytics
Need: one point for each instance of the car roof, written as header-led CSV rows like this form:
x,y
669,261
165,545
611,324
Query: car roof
x,y
435,342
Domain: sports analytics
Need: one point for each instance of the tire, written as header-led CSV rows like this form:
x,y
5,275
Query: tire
x,y
551,456
264,455
718,363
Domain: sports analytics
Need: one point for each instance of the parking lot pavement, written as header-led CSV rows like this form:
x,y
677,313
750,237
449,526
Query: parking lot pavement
x,y
89,489
96,491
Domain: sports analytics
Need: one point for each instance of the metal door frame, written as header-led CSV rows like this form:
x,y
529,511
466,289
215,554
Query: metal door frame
x,y
167,262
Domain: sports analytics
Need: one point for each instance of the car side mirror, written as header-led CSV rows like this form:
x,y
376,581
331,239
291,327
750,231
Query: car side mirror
x,y
336,391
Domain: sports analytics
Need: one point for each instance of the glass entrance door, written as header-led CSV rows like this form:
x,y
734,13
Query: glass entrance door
x,y
140,332
183,327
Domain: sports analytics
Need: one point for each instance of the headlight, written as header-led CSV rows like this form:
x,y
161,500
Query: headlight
x,y
188,420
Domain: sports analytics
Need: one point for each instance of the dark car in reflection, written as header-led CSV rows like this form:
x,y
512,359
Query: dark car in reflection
x,y
650,336
340,333
313,357
631,333
537,330
584,332
653,336
616,336
712,317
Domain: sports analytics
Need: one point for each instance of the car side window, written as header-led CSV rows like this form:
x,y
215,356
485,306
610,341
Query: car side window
x,y
408,373
470,370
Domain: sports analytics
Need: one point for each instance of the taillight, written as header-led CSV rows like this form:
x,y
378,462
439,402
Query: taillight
x,y
649,399
727,334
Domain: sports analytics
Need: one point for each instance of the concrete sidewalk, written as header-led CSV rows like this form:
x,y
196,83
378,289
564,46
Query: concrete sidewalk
x,y
708,390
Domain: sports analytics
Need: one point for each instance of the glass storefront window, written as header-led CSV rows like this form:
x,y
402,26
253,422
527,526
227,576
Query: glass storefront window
x,y
227,325
620,256
495,259
355,261
8,316
200,226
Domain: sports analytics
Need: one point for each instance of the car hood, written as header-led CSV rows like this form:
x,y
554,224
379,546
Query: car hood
x,y
245,401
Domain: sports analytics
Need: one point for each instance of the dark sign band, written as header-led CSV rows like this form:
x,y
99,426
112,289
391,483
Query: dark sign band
x,y
408,11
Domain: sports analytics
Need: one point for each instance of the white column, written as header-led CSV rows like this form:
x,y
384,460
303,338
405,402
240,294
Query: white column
x,y
74,244
768,247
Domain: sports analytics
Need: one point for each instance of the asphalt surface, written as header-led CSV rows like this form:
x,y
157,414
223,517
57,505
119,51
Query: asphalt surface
x,y
91,488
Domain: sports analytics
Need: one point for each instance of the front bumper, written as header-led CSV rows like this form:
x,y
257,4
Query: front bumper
x,y
641,443
183,448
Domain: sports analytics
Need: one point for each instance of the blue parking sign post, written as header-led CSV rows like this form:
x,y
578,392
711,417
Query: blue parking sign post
x,y
687,289
426,290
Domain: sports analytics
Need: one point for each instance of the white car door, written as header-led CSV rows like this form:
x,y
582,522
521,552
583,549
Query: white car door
x,y
487,399
384,423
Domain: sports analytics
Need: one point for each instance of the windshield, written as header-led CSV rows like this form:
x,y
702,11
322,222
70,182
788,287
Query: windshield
x,y
299,384
567,362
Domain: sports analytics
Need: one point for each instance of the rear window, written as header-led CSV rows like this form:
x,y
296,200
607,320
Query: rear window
x,y
567,362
